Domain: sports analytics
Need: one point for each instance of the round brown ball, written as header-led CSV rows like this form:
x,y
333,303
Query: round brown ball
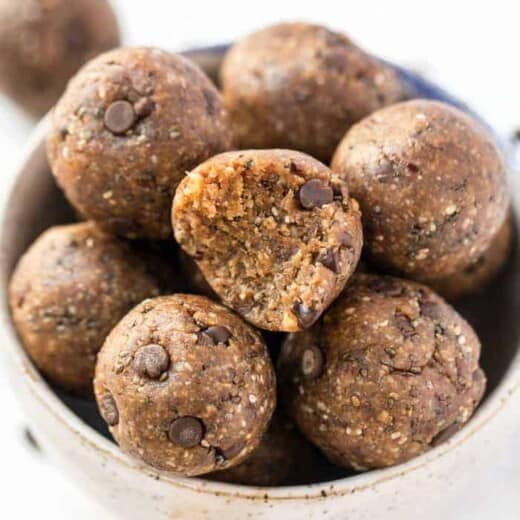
x,y
301,86
478,275
282,455
43,43
274,233
431,185
129,126
185,385
68,291
389,371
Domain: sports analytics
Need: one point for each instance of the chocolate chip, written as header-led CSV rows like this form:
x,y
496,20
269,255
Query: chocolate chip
x,y
404,324
346,239
151,361
233,450
217,334
144,107
315,193
119,117
384,172
312,362
306,316
446,434
429,309
186,431
108,409
331,260
385,286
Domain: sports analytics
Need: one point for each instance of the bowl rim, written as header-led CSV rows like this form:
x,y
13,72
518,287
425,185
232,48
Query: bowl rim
x,y
504,392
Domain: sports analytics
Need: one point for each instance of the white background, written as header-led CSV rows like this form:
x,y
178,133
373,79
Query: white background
x,y
472,48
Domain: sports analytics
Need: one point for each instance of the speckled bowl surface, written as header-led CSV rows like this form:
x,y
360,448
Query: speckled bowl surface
x,y
73,434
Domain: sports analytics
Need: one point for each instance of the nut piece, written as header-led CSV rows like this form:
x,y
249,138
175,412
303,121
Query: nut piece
x,y
431,185
300,86
209,408
261,225
400,373
68,291
129,126
312,362
108,409
43,44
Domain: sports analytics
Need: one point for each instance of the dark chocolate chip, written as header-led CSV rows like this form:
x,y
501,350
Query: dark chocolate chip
x,y
120,117
404,324
306,317
446,434
384,172
429,309
217,334
186,431
144,107
151,361
108,409
331,260
294,167
233,450
312,362
439,330
346,239
385,286
315,193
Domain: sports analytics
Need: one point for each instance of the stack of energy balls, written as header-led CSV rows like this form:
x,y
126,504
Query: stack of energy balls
x,y
310,157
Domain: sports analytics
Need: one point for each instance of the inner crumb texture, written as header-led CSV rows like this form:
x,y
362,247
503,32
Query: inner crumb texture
x,y
260,250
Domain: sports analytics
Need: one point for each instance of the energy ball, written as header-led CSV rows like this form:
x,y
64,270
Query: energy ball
x,y
129,126
185,385
274,233
431,185
478,275
44,42
301,86
282,455
68,291
389,371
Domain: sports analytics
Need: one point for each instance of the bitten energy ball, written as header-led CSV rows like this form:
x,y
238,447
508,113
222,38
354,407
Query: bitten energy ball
x,y
129,126
185,385
281,457
44,42
431,185
273,231
389,371
301,86
68,290
479,274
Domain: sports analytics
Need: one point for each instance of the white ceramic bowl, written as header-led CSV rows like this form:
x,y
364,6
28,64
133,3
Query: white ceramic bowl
x,y
428,485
